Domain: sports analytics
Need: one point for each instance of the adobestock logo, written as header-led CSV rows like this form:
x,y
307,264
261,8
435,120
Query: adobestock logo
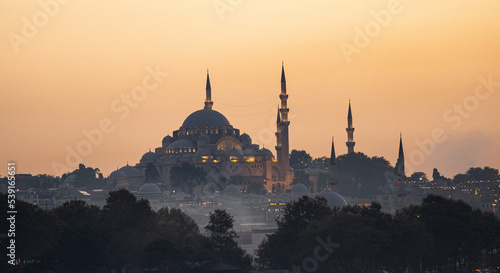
x,y
320,254
31,27
224,6
363,37
94,137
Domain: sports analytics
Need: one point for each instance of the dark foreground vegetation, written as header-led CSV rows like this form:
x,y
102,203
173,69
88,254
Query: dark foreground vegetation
x,y
440,235
125,234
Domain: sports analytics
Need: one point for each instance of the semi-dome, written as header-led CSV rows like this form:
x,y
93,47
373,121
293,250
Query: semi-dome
x,y
333,199
166,139
181,143
205,118
204,137
130,171
235,152
245,138
202,152
265,152
248,152
149,188
299,190
231,190
117,174
150,156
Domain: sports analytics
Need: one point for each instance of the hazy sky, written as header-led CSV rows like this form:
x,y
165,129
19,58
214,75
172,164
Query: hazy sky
x,y
428,69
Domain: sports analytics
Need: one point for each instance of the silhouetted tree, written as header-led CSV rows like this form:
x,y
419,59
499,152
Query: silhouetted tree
x,y
151,173
222,237
299,159
87,177
187,176
477,174
127,228
417,176
362,176
277,250
440,235
79,246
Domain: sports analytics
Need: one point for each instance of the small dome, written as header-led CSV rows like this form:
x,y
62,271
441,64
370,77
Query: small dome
x,y
167,139
117,175
299,190
265,152
150,156
248,152
202,152
235,152
204,137
333,199
130,171
220,153
149,188
245,139
205,118
70,179
231,190
181,143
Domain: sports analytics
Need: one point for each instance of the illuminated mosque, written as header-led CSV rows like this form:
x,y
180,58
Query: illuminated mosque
x,y
207,139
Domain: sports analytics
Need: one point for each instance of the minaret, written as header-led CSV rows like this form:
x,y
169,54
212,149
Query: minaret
x,y
282,145
350,132
400,164
279,143
333,179
208,100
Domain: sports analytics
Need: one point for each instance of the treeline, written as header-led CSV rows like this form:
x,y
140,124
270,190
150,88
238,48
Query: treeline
x,y
440,235
125,234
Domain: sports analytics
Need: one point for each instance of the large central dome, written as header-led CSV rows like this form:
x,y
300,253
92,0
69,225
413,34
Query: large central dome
x,y
205,118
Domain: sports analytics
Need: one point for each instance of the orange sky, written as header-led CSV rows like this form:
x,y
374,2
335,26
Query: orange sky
x,y
64,65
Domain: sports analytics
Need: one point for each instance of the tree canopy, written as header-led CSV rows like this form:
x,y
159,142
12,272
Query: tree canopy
x,y
187,177
124,235
299,159
439,235
362,176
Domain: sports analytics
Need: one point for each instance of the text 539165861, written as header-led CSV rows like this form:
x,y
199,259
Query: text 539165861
x,y
11,212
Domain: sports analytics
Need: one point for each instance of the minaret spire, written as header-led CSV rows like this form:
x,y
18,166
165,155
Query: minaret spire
x,y
333,179
283,80
282,144
208,100
401,152
400,164
333,160
350,131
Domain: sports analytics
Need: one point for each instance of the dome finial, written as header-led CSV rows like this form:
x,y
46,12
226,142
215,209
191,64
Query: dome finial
x,y
333,160
208,100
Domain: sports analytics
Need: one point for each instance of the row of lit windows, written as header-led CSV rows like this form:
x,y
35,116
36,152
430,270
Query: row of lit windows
x,y
207,131
181,150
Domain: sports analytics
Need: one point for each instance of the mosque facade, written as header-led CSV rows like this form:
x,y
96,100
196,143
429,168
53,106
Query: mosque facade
x,y
208,140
